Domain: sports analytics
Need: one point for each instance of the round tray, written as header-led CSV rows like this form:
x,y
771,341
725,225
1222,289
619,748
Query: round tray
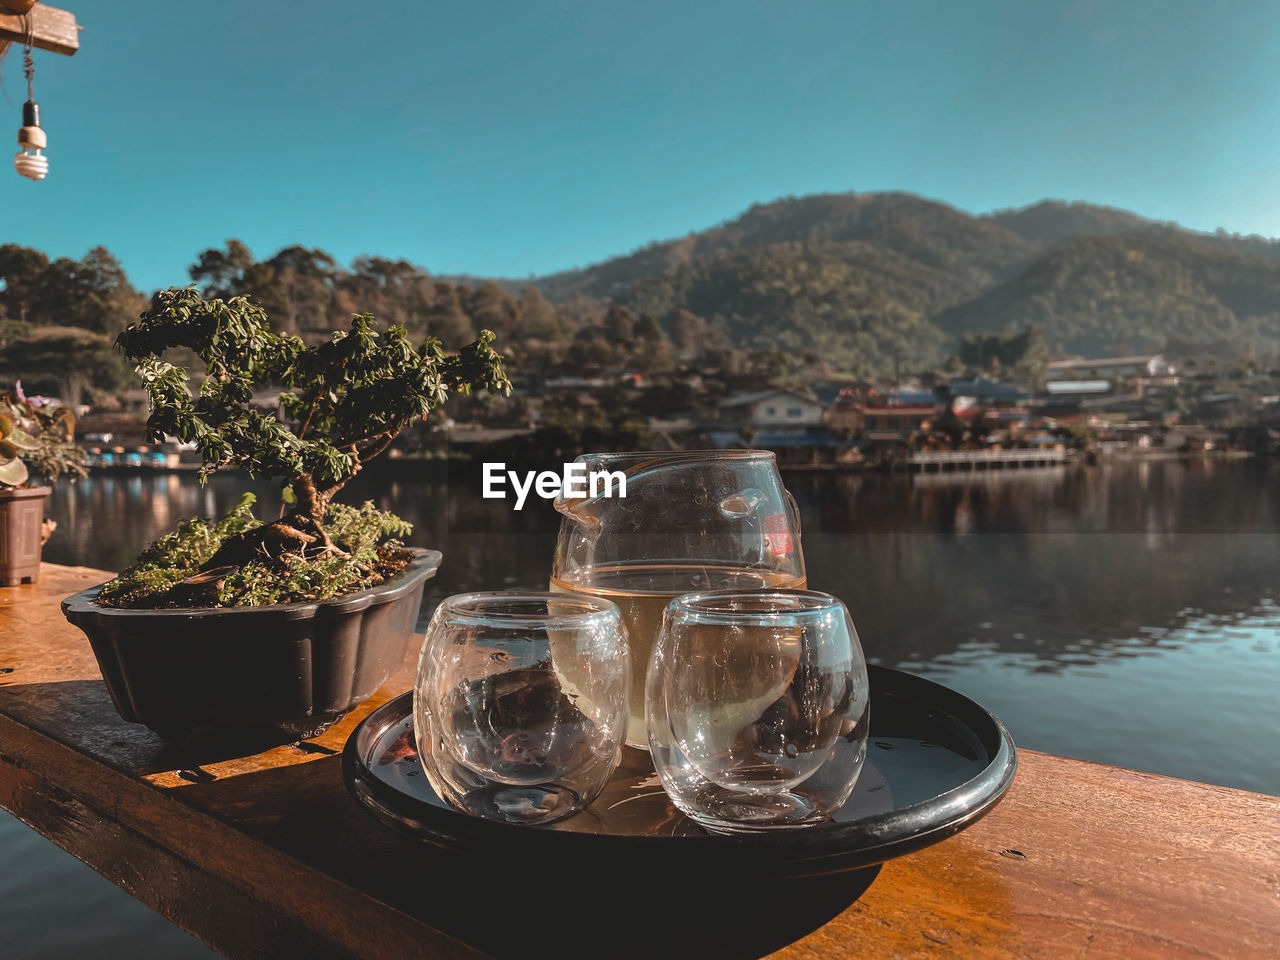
x,y
936,762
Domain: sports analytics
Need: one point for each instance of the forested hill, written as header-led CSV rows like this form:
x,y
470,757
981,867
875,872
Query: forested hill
x,y
863,277
862,281
1133,293
979,248
975,249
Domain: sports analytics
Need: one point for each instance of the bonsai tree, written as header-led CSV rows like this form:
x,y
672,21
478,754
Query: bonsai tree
x,y
342,403
36,439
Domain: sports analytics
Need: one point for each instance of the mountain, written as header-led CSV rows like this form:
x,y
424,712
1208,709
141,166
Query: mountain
x,y
835,300
931,233
1050,222
859,278
1134,293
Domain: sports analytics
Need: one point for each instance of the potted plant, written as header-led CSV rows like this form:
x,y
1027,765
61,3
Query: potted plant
x,y
295,620
36,440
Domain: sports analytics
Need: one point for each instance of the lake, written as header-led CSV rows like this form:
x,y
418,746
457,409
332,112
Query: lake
x,y
1125,613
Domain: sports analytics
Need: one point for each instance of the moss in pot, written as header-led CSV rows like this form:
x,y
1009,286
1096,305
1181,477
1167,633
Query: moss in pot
x,y
290,621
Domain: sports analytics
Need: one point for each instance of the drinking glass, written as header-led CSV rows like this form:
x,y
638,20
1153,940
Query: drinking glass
x,y
689,521
758,708
520,703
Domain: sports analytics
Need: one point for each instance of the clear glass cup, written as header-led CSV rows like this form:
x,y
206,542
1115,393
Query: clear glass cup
x,y
758,708
690,521
520,703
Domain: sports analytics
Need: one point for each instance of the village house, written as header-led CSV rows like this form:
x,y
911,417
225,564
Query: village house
x,y
898,422
775,409
895,415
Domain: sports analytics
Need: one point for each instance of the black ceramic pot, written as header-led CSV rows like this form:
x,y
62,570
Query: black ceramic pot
x,y
295,666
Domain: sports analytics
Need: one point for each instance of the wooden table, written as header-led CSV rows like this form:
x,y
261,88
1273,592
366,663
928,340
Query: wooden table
x,y
260,851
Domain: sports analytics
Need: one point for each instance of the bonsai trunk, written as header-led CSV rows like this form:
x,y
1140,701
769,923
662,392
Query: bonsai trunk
x,y
300,532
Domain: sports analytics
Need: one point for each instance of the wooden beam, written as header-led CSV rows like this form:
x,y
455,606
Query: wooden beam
x,y
265,854
52,29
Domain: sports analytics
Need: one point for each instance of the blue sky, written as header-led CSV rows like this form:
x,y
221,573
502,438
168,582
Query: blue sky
x,y
518,138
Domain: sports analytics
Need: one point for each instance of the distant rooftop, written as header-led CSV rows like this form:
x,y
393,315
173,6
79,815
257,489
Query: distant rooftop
x,y
1136,361
746,399
1077,386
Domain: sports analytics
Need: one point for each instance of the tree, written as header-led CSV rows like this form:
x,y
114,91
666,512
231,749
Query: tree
x,y
22,270
1025,352
648,330
538,318
300,290
445,317
224,273
689,334
346,400
66,362
619,326
57,320
92,293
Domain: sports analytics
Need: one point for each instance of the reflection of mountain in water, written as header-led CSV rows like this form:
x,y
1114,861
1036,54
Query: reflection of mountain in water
x,y
1054,596
1062,566
1066,567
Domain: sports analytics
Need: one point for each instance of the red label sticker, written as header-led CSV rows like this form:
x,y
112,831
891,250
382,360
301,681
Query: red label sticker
x,y
779,534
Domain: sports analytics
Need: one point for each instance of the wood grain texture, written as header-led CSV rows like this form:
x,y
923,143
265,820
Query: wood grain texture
x,y
52,29
257,848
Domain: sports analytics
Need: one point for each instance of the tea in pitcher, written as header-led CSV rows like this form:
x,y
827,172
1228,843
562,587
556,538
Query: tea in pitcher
x,y
690,522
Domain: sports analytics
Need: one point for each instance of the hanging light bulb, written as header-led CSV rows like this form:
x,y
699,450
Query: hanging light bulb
x,y
30,161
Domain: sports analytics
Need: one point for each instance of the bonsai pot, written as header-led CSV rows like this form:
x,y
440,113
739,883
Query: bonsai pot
x,y
21,513
294,666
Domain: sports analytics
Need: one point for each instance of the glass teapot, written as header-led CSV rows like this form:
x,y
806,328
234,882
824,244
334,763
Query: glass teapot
x,y
643,528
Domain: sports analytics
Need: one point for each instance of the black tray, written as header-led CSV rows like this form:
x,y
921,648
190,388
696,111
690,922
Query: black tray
x,y
936,762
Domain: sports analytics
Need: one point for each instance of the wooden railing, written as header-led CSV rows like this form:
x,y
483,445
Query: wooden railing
x,y
260,851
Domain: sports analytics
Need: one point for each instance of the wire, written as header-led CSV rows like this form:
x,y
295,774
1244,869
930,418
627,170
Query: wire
x,y
28,65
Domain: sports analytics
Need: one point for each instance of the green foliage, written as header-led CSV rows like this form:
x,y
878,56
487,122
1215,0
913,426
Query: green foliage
x,y
969,251
1024,353
57,321
357,528
1078,437
156,580
91,293
866,281
1166,291
67,362
345,399
292,579
36,440
853,304
141,586
193,541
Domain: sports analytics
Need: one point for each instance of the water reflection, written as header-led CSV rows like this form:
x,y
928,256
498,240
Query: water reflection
x,y
1080,576
1048,563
